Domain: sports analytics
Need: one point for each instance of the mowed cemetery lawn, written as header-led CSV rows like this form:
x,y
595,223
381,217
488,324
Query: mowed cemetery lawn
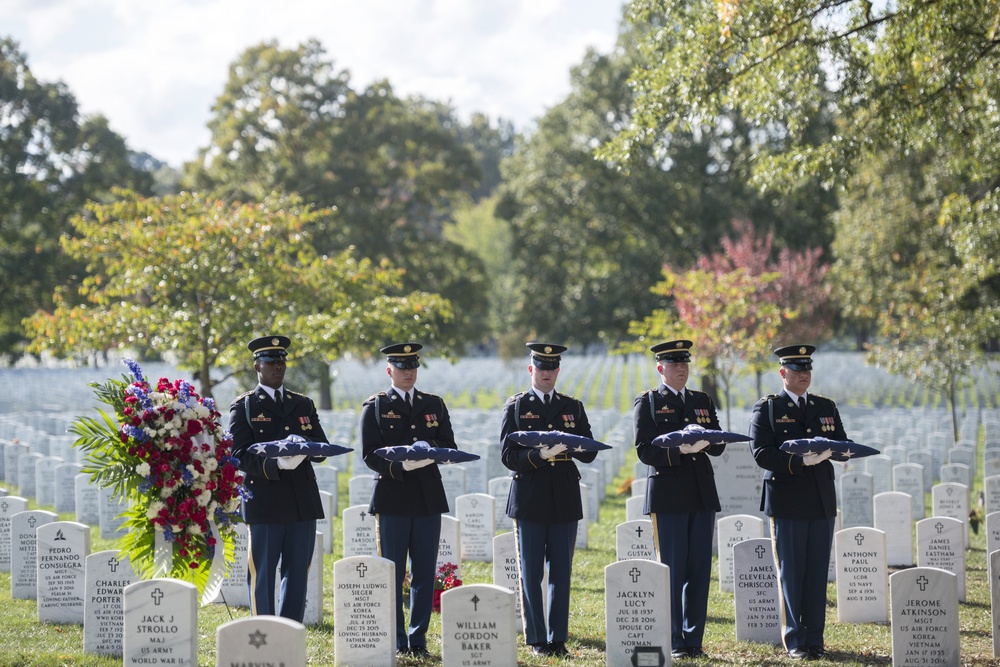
x,y
474,390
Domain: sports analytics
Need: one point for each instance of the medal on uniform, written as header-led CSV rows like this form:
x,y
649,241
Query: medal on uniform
x,y
431,421
569,421
305,424
702,414
828,423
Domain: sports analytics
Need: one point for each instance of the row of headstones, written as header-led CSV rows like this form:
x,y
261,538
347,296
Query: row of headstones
x,y
155,622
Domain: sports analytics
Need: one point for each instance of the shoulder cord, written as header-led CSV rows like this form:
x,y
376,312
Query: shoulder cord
x,y
246,408
517,411
652,409
378,415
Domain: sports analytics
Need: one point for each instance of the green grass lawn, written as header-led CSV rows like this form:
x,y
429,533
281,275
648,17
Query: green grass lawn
x,y
24,641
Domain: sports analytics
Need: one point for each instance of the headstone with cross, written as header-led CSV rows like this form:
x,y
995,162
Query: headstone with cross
x,y
894,517
360,532
940,545
23,551
364,611
104,584
61,553
478,626
636,609
924,603
634,539
862,575
756,592
476,516
9,506
732,530
951,499
161,624
261,640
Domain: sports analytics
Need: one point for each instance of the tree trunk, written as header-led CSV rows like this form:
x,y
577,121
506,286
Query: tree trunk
x,y
325,385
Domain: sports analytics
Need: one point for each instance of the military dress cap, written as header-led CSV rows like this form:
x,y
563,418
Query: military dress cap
x,y
402,355
269,348
673,351
545,356
796,357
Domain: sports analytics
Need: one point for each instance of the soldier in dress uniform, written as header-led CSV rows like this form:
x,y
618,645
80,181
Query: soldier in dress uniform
x,y
408,499
681,498
544,499
284,501
799,496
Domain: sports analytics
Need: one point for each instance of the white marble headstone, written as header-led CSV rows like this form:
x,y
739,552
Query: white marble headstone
x,y
110,509
261,640
450,544
952,500
65,493
637,612
880,468
940,544
45,480
235,591
583,525
12,452
476,515
500,489
756,593
862,576
359,490
893,516
23,552
590,491
324,526
161,624
505,572
992,532
638,487
453,478
856,493
731,530
364,611
314,586
740,494
62,550
104,621
634,539
909,478
924,617
26,473
478,626
360,532
633,509
87,500
993,572
991,492
327,478
9,506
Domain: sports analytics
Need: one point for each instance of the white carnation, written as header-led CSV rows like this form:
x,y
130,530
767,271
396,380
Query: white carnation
x,y
154,509
211,464
194,529
142,469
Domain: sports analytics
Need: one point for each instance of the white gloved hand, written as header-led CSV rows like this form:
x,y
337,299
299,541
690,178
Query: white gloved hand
x,y
415,465
548,451
290,462
813,459
694,447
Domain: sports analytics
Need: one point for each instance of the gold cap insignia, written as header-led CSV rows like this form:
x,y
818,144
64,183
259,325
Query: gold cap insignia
x,y
275,341
679,344
802,350
406,349
547,349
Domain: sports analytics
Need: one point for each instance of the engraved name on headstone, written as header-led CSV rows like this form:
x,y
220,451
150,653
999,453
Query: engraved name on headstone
x,y
104,620
161,624
940,545
478,627
732,530
62,550
636,610
924,617
634,539
364,611
756,592
476,516
360,532
862,576
23,552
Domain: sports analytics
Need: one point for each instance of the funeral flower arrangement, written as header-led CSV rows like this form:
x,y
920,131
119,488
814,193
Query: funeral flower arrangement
x,y
165,454
446,577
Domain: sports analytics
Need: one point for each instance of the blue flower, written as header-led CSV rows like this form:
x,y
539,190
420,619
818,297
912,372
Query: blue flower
x,y
184,392
187,479
209,403
168,534
135,368
135,433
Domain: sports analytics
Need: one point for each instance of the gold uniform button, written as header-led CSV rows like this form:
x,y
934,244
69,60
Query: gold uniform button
x,y
413,425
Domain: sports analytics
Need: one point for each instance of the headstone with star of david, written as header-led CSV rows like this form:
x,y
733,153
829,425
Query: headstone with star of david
x,y
161,624
23,552
360,532
909,478
9,506
499,488
61,554
364,611
732,530
940,544
862,576
636,611
261,640
105,579
359,489
478,626
951,499
894,517
634,539
476,516
924,602
756,595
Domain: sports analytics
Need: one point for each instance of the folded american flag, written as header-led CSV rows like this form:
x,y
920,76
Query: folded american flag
x,y
294,445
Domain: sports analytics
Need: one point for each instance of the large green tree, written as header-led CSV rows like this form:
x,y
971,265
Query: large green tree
x,y
590,235
197,278
906,80
52,160
288,120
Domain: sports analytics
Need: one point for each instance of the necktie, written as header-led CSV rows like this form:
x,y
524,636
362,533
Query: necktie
x,y
407,397
802,403
277,400
548,399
